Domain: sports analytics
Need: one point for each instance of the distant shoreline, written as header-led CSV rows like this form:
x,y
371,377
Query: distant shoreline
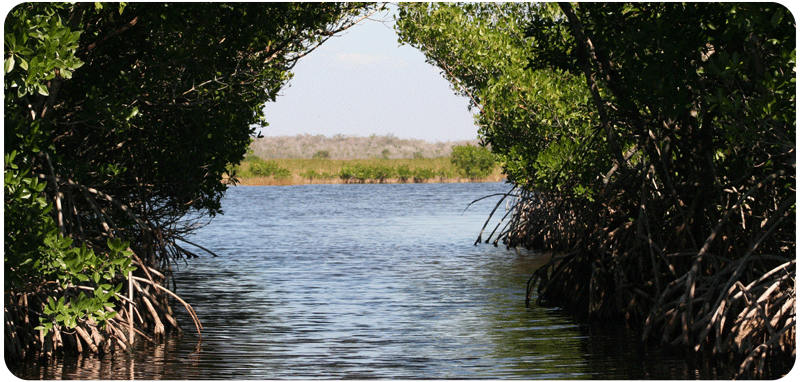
x,y
255,171
296,180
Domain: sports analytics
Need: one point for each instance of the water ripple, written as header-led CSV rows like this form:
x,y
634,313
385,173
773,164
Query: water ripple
x,y
371,281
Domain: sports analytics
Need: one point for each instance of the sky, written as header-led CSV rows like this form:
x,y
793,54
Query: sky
x,y
362,83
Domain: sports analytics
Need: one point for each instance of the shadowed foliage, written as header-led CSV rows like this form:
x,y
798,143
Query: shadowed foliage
x,y
120,122
653,151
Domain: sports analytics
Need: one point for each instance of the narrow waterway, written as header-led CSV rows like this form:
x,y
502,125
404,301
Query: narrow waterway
x,y
369,281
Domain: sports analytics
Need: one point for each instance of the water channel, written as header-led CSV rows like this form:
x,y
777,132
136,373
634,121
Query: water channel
x,y
369,281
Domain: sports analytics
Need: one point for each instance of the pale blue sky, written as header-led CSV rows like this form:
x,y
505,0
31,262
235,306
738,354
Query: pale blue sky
x,y
363,82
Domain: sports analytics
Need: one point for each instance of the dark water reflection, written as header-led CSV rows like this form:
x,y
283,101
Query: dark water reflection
x,y
369,281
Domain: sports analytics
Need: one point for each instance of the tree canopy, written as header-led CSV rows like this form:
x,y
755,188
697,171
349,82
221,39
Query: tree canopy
x,y
121,119
534,117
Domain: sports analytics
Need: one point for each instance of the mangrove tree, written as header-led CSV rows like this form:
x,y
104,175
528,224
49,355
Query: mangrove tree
x,y
120,122
652,150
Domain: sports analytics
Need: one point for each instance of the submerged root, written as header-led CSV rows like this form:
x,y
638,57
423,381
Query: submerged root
x,y
141,310
720,283
144,312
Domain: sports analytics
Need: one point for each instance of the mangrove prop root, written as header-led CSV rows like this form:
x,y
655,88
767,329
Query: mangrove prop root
x,y
714,280
142,311
23,309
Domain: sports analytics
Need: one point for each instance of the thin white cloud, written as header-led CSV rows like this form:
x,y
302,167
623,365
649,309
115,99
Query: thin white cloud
x,y
369,60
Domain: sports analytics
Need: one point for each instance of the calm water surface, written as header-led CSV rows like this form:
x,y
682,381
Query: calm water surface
x,y
369,281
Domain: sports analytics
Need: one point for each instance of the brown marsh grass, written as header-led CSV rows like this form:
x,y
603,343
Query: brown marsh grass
x,y
329,171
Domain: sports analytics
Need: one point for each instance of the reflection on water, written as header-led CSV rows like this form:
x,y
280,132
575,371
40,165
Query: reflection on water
x,y
368,281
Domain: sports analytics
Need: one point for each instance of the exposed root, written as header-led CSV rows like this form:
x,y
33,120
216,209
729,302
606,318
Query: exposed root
x,y
726,289
23,309
141,310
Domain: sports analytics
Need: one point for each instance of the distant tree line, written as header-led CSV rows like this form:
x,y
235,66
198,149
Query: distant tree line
x,y
474,163
351,147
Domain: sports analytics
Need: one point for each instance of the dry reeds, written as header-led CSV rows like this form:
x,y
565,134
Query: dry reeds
x,y
333,171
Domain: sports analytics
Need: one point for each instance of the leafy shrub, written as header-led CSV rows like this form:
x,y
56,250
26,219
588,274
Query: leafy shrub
x,y
263,168
382,172
363,172
347,173
472,162
312,174
34,246
403,172
423,174
444,173
260,167
281,173
322,154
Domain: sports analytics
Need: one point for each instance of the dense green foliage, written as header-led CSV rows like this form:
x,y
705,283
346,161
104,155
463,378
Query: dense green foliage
x,y
533,118
472,162
259,167
360,173
120,119
41,51
654,145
